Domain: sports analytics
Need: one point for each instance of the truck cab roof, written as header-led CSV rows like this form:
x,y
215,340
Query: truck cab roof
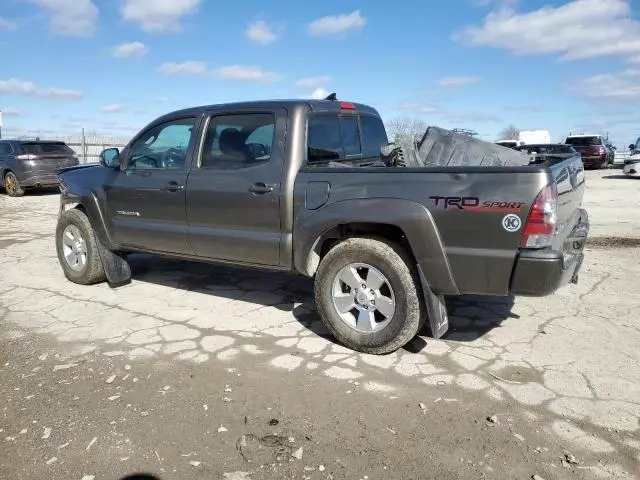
x,y
289,104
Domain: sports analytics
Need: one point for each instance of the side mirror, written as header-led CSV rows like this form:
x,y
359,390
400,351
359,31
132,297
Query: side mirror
x,y
632,147
110,158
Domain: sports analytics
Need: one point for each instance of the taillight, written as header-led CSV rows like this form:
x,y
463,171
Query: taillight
x,y
347,106
543,216
26,157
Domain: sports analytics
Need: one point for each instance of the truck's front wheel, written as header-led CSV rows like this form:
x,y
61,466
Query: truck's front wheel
x,y
368,295
77,250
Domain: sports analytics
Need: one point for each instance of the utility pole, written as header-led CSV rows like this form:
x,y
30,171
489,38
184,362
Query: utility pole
x,y
84,148
0,124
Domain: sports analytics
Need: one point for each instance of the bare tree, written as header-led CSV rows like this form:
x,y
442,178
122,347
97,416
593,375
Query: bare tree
x,y
510,133
405,127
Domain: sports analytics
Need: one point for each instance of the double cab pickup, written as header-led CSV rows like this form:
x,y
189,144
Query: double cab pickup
x,y
302,186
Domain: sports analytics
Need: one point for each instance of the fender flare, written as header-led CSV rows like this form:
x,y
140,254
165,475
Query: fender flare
x,y
91,205
414,219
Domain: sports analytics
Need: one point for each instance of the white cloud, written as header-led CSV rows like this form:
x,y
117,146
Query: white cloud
x,y
11,112
7,25
263,33
313,82
457,81
158,16
115,108
189,67
419,108
131,49
245,73
76,18
576,30
24,87
623,87
452,116
320,93
337,24
162,100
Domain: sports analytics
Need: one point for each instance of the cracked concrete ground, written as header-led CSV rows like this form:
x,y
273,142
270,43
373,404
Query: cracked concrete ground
x,y
561,372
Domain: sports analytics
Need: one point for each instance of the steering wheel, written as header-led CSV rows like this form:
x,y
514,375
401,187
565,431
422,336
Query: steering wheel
x,y
172,157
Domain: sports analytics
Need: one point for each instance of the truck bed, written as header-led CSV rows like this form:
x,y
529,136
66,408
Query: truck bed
x,y
467,205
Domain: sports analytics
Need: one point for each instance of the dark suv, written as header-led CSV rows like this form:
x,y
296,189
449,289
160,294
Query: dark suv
x,y
593,148
25,164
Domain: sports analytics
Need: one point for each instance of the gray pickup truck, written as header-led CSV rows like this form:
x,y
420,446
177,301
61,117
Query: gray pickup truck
x,y
315,188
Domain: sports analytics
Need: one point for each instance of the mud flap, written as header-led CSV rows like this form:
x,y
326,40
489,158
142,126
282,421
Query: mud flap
x,y
436,309
115,266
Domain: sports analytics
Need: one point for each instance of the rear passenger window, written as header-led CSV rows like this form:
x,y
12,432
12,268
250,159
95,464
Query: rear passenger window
x,y
238,141
324,141
373,135
350,135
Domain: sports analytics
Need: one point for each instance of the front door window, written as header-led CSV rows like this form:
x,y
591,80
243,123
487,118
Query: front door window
x,y
163,146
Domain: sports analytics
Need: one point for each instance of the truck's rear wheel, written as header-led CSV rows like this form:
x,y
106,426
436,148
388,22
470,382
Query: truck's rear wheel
x,y
77,250
368,295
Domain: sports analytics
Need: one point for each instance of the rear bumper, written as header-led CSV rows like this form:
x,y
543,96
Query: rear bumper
x,y
632,167
538,273
38,179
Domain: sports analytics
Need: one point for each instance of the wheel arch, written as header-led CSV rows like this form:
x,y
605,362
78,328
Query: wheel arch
x,y
404,222
89,205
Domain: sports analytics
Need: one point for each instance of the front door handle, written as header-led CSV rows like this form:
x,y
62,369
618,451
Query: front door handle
x,y
261,188
173,187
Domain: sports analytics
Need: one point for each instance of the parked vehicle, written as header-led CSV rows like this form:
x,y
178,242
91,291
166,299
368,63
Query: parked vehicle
x,y
26,164
632,164
534,137
305,186
593,149
509,143
553,153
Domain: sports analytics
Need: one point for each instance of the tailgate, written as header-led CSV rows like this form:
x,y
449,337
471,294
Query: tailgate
x,y
568,176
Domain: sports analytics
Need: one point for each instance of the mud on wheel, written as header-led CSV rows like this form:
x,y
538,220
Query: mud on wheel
x,y
77,250
368,295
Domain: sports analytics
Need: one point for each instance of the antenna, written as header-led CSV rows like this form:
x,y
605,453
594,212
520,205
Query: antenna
x,y
332,97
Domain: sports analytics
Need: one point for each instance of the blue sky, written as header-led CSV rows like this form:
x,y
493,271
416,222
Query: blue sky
x,y
114,65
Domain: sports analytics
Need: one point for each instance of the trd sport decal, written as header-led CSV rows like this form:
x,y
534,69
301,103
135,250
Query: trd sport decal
x,y
475,204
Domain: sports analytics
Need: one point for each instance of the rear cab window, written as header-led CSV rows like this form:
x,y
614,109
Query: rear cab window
x,y
345,138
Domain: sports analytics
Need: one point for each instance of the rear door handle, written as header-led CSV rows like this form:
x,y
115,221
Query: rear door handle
x,y
261,188
173,187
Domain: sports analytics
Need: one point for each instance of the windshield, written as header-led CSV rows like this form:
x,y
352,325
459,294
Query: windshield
x,y
583,141
45,148
638,144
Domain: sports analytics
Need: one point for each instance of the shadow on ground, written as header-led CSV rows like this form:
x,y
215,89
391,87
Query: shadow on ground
x,y
470,316
37,192
617,177
140,476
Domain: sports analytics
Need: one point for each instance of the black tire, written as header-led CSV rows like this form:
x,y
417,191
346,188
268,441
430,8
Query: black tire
x,y
92,272
12,185
394,263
